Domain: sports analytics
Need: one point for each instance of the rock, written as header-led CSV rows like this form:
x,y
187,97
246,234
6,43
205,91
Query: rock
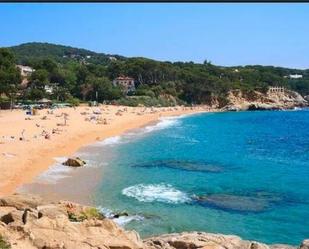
x,y
182,165
196,240
29,215
234,202
115,216
74,162
21,201
38,225
281,246
231,108
51,211
304,244
13,218
4,211
254,100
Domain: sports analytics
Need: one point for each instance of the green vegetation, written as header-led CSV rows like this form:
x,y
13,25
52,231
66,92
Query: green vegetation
x,y
3,243
88,213
77,74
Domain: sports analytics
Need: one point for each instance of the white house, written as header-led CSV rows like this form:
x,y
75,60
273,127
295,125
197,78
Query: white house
x,y
25,73
25,70
295,76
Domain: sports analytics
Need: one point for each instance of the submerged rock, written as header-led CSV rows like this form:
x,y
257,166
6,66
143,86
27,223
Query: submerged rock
x,y
74,162
256,203
182,165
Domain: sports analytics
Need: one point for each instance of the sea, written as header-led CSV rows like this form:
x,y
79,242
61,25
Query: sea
x,y
240,173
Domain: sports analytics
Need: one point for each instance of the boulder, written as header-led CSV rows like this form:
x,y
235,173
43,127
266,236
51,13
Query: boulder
x,y
304,244
74,162
120,214
21,201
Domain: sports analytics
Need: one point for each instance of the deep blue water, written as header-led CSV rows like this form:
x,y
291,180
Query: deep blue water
x,y
244,173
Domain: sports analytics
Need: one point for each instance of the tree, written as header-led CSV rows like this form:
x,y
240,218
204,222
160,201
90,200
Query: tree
x,y
10,76
39,79
105,89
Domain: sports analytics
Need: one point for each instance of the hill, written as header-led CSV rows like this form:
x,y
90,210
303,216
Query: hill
x,y
87,75
27,52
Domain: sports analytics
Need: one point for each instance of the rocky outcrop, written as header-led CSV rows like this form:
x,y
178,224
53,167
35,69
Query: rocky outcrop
x,y
28,222
305,244
253,100
65,225
195,240
74,162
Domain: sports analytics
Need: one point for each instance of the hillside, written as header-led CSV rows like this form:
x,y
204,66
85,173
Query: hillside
x,y
27,52
87,75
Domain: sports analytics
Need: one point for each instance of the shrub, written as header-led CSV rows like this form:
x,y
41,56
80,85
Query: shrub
x,y
73,101
4,244
88,213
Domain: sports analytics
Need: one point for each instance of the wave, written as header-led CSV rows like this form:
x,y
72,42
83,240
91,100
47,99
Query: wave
x,y
163,123
121,220
55,172
108,141
156,192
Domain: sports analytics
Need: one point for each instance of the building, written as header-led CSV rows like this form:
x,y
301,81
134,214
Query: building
x,y
25,73
112,58
276,89
49,89
295,76
127,83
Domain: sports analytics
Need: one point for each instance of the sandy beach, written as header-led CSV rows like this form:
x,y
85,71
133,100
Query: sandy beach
x,y
29,143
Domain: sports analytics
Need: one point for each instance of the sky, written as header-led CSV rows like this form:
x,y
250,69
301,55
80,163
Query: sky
x,y
227,34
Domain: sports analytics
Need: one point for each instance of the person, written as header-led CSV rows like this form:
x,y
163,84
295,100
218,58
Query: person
x,y
22,138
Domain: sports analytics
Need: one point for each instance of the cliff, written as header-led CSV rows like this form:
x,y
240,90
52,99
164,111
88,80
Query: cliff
x,y
28,221
254,100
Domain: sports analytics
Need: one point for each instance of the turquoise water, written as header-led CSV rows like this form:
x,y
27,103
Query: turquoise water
x,y
244,173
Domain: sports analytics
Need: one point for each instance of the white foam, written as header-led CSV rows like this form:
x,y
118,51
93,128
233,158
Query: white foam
x,y
162,124
156,192
54,173
122,220
108,141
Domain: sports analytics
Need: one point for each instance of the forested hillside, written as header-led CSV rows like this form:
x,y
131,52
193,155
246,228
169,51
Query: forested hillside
x,y
79,73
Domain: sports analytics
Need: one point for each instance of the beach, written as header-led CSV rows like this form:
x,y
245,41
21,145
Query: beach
x,y
29,143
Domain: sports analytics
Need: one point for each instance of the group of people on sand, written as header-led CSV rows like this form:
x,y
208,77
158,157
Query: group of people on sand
x,y
94,115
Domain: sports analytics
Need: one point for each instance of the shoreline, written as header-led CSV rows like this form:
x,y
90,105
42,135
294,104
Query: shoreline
x,y
22,161
66,185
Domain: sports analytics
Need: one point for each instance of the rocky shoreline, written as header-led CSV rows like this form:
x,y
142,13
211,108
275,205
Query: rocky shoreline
x,y
28,221
254,100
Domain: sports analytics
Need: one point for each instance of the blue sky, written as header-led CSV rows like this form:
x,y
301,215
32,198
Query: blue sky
x,y
226,34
